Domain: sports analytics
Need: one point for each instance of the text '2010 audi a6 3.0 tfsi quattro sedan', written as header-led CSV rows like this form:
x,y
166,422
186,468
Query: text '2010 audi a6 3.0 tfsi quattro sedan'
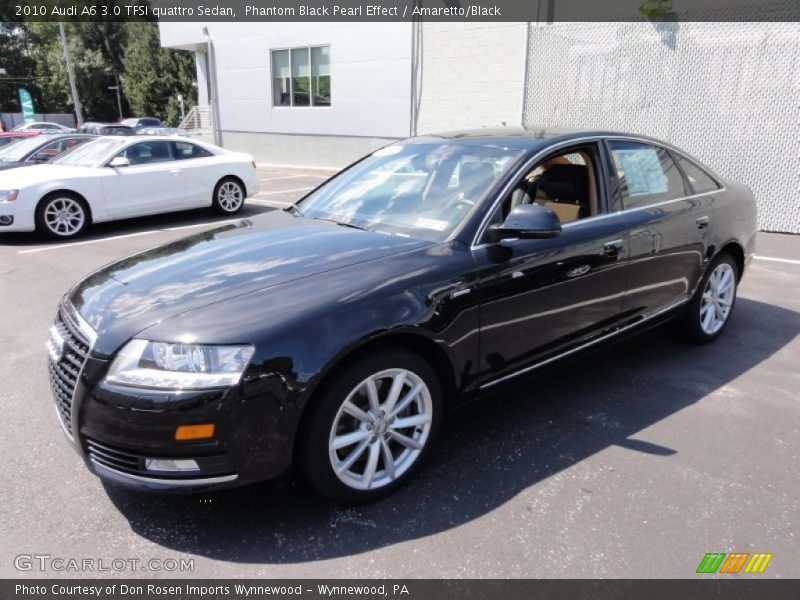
x,y
332,337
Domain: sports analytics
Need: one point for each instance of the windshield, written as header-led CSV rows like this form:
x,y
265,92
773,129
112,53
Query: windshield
x,y
88,154
420,190
19,150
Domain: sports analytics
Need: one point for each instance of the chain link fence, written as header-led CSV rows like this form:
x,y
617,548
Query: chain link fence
x,y
726,92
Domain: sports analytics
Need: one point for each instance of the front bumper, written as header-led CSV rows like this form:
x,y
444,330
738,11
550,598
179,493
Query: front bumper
x,y
119,431
14,217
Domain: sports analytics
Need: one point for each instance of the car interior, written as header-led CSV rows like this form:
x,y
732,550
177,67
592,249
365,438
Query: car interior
x,y
566,183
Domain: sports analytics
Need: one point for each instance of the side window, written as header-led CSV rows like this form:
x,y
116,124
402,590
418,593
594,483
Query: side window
x,y
148,152
647,174
565,182
49,151
699,180
185,150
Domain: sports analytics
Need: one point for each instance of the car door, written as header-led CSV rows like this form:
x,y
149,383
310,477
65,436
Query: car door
x,y
539,297
199,166
152,182
668,226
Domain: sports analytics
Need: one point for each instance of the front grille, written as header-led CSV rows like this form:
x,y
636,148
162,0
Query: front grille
x,y
132,462
68,353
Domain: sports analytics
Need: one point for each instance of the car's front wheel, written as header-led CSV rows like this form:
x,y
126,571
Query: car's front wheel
x,y
372,427
711,307
62,215
229,196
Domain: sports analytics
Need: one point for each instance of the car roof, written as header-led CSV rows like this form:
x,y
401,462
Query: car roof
x,y
50,137
523,138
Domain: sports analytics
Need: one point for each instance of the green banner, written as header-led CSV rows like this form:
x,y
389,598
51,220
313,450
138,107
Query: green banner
x,y
26,102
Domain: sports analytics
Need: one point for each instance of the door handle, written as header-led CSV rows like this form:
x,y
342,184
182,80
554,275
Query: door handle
x,y
702,222
613,248
175,172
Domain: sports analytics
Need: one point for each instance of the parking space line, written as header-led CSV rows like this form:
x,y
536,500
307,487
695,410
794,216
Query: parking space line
x,y
780,260
126,235
292,177
269,202
275,193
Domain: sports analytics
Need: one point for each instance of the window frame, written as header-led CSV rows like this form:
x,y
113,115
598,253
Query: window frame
x,y
291,104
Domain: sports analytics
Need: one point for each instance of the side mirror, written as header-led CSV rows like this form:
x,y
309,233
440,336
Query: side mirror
x,y
119,161
527,222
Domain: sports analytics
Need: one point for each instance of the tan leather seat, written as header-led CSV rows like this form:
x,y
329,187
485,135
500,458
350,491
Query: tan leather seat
x,y
565,212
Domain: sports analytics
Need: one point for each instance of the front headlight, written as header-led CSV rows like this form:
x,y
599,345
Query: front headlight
x,y
179,366
8,195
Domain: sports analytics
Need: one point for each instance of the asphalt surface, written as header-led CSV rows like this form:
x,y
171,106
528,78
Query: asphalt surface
x,y
631,462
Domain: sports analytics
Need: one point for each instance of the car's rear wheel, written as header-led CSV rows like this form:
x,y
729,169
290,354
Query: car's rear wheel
x,y
62,215
711,307
229,196
373,427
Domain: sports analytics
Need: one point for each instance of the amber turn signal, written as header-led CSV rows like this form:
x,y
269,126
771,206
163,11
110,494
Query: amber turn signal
x,y
194,432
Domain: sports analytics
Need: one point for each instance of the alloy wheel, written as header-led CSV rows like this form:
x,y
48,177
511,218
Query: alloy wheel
x,y
230,196
64,216
718,297
380,429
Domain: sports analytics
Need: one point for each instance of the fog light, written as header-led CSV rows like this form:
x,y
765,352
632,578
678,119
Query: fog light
x,y
170,464
6,219
194,432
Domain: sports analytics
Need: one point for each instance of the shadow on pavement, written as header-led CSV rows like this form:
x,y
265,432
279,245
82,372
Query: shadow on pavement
x,y
487,453
133,226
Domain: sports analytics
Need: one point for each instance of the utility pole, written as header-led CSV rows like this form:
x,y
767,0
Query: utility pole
x,y
76,102
119,100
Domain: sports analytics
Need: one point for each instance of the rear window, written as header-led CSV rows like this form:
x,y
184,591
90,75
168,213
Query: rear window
x,y
186,150
700,181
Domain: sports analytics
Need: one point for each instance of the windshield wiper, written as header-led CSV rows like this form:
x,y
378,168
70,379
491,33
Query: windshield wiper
x,y
343,224
295,209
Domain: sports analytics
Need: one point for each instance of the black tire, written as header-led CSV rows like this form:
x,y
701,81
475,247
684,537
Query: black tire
x,y
692,322
69,201
315,451
223,194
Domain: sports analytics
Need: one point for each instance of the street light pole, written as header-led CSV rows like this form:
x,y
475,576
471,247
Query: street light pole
x,y
76,102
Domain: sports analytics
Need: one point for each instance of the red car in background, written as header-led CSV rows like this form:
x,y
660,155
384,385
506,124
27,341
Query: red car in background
x,y
8,137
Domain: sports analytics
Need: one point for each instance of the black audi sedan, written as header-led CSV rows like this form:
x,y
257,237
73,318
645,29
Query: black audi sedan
x,y
330,339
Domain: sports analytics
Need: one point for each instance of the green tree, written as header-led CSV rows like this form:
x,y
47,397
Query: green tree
x,y
18,66
154,76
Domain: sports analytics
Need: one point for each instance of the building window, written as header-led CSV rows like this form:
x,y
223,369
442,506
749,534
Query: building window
x,y
301,76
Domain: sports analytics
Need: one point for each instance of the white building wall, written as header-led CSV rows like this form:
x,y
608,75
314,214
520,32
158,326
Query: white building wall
x,y
370,88
472,75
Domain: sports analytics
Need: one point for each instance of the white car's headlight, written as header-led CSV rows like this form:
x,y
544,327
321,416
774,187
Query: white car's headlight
x,y
179,366
8,195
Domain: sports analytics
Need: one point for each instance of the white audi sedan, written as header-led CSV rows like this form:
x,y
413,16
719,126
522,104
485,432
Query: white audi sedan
x,y
114,178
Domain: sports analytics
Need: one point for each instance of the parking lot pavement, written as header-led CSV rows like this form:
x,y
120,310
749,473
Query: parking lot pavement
x,y
282,187
630,462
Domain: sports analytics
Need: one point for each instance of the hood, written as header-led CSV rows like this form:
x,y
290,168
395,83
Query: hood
x,y
125,297
34,174
4,166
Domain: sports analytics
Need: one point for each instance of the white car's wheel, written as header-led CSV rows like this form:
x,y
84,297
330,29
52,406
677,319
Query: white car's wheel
x,y
62,215
229,196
